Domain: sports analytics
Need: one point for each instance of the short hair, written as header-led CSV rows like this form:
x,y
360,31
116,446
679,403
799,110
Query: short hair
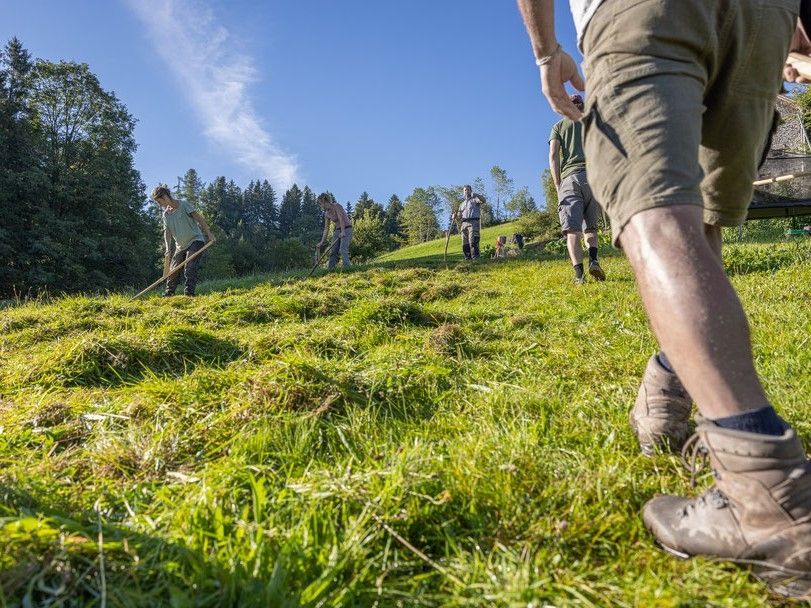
x,y
161,190
324,197
467,187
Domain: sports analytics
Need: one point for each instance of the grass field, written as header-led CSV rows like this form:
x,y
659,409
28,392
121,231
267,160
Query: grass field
x,y
402,436
433,251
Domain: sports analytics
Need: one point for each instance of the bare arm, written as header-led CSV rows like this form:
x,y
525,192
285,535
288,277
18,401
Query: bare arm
x,y
539,19
325,233
341,223
167,241
554,161
195,215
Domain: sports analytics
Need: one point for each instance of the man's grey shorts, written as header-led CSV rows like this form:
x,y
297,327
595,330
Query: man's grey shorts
x,y
577,209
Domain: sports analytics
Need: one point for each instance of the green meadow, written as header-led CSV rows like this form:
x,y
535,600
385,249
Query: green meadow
x,y
410,433
434,251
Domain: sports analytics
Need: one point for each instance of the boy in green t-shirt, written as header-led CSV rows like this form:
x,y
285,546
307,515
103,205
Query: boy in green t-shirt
x,y
186,226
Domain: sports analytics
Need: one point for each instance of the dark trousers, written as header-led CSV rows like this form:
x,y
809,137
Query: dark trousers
x,y
189,270
470,239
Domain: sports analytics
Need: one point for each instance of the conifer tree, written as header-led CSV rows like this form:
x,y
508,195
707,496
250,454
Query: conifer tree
x,y
22,183
290,212
311,218
393,223
366,206
267,212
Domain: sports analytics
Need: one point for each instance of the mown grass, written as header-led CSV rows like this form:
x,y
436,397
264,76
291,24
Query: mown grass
x,y
419,436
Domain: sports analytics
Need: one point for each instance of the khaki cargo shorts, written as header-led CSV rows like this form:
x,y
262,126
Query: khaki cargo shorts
x,y
680,102
577,209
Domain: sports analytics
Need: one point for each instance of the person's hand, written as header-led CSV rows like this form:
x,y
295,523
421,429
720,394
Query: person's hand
x,y
211,238
319,245
343,234
554,75
799,44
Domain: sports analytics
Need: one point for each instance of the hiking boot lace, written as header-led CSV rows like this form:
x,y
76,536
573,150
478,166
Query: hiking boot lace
x,y
693,456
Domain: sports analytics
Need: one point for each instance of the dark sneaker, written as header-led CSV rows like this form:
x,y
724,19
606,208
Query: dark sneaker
x,y
596,271
758,513
579,280
661,415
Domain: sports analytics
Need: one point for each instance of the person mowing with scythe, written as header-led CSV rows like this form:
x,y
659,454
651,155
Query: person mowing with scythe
x,y
183,223
341,235
468,217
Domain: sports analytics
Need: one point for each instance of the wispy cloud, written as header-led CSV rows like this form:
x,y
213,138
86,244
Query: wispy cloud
x,y
216,80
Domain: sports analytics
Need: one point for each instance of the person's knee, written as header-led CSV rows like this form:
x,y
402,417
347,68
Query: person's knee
x,y
678,229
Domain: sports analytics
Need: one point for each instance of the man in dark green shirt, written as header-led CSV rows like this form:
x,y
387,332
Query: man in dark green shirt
x,y
577,209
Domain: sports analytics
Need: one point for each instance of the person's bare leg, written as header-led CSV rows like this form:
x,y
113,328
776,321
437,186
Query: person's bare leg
x,y
574,247
713,236
591,239
693,309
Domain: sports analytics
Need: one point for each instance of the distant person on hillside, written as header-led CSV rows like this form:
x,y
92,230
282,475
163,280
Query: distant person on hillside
x,y
518,240
341,234
183,223
501,247
577,209
681,101
469,217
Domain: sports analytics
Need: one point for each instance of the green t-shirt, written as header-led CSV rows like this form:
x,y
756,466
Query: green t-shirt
x,y
570,135
181,226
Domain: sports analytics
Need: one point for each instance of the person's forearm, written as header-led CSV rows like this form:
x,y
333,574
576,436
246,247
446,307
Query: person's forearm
x,y
539,19
554,169
206,230
203,225
167,241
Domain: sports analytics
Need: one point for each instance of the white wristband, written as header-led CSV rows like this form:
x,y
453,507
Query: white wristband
x,y
547,58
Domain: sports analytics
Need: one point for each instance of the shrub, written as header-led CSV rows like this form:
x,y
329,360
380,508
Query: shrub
x,y
368,238
538,224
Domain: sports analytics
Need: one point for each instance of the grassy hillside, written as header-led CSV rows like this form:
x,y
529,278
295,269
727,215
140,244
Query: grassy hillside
x,y
434,250
447,436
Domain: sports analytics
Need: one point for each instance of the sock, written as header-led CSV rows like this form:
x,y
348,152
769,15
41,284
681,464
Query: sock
x,y
664,362
592,254
578,271
763,420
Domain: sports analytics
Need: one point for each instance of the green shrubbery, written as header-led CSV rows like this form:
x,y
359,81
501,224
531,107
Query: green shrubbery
x,y
538,225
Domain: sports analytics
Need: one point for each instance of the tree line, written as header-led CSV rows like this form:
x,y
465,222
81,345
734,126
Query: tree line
x,y
76,216
71,201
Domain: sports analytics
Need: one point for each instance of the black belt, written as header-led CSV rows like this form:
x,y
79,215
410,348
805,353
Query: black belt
x,y
470,219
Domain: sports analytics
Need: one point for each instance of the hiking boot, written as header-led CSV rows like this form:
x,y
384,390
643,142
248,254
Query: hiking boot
x,y
661,415
596,271
758,513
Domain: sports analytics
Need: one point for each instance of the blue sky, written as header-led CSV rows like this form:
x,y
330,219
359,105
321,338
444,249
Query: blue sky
x,y
341,95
